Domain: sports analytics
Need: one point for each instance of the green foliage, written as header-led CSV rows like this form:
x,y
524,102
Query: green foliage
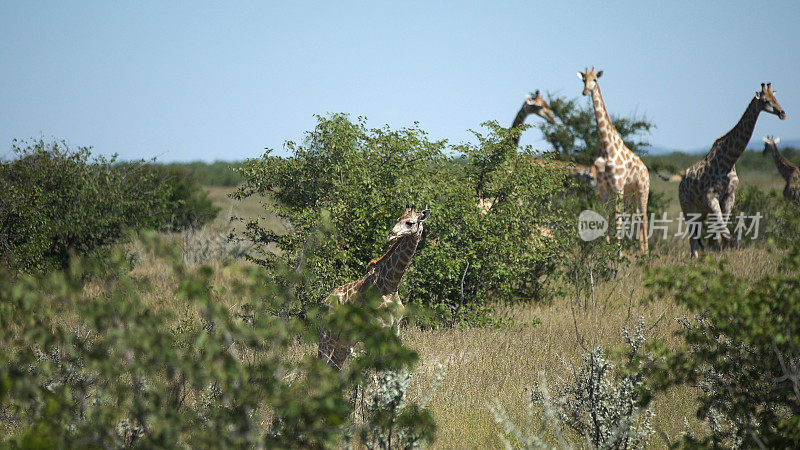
x,y
741,350
777,216
59,201
99,368
188,205
574,135
217,173
364,177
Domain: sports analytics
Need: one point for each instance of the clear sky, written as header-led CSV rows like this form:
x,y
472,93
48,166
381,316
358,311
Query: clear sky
x,y
204,81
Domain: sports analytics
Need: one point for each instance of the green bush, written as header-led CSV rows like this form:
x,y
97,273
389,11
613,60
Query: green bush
x,y
364,177
59,201
740,350
188,205
777,216
100,368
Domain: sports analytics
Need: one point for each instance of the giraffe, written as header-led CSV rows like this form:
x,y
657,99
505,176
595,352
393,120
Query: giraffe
x,y
534,104
618,170
709,186
383,274
789,171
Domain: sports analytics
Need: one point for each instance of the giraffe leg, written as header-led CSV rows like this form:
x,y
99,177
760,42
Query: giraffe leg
x,y
716,216
643,226
727,208
688,208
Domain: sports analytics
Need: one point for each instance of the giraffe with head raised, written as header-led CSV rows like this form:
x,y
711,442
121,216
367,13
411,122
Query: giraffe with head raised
x,y
788,171
383,275
708,189
618,170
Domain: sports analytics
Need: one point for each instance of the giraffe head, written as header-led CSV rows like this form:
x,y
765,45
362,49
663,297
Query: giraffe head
x,y
768,102
535,104
410,223
589,79
770,144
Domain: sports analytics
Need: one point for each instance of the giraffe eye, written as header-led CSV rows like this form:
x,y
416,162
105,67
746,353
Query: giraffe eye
x,y
409,223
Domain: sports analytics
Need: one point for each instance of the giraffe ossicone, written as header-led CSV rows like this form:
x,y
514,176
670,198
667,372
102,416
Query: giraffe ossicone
x,y
382,275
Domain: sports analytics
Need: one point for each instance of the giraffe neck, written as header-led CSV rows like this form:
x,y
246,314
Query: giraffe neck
x,y
518,120
393,264
729,148
785,168
605,129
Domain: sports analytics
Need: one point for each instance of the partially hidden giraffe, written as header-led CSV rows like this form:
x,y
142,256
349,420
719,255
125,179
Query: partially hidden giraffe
x,y
384,275
708,188
788,171
618,170
534,104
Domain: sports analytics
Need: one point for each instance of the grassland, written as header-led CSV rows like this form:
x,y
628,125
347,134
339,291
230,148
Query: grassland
x,y
499,363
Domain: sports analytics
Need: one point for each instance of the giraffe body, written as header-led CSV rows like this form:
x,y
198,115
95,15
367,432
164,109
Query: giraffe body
x,y
708,188
618,171
788,171
384,275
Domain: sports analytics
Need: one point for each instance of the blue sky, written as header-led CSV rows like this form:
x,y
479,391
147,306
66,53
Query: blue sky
x,y
199,81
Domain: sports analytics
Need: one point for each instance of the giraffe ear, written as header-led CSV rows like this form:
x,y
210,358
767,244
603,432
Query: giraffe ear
x,y
766,140
424,215
599,74
776,140
581,76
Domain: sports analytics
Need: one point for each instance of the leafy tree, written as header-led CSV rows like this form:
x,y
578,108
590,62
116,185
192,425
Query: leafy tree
x,y
574,135
364,177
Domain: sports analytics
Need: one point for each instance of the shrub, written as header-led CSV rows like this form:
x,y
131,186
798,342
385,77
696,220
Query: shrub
x,y
776,215
602,406
364,177
188,205
741,350
59,201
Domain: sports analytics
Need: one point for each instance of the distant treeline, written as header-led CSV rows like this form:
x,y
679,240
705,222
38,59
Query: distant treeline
x,y
217,173
221,173
751,160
